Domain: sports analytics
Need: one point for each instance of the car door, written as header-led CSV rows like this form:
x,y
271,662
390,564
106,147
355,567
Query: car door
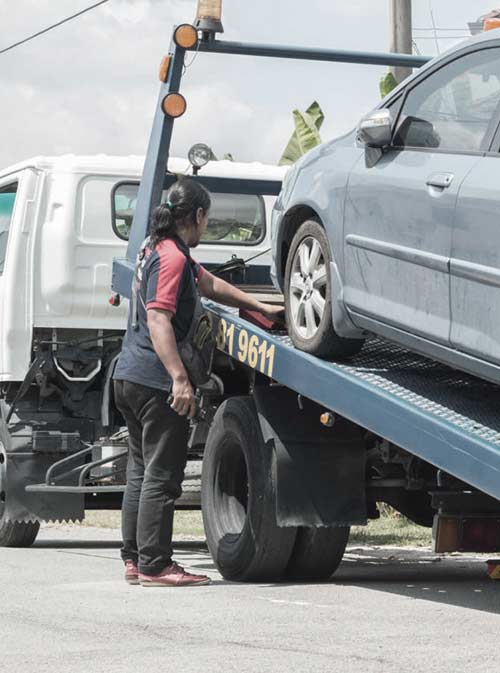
x,y
475,254
400,209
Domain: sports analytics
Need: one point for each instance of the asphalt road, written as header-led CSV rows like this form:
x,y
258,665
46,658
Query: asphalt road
x,y
65,608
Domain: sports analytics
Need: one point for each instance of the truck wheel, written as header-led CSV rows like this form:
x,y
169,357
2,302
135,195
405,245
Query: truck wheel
x,y
12,533
308,296
317,553
18,533
238,498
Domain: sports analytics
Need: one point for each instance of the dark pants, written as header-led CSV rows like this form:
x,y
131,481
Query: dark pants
x,y
155,469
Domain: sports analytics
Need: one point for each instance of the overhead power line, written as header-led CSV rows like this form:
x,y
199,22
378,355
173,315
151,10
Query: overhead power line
x,y
54,25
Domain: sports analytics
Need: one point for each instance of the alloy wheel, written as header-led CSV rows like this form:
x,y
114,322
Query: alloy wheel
x,y
308,285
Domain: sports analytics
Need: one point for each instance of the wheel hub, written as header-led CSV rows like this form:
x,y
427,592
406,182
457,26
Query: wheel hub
x,y
308,288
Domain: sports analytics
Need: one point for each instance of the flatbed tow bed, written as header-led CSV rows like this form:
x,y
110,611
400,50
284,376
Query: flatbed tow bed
x,y
444,416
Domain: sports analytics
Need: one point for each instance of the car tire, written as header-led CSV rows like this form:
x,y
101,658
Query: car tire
x,y
317,553
308,296
238,498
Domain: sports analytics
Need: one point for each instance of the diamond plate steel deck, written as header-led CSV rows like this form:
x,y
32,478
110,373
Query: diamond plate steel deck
x,y
446,417
465,401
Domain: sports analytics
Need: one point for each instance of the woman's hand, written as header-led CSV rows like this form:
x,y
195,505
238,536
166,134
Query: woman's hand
x,y
273,313
184,401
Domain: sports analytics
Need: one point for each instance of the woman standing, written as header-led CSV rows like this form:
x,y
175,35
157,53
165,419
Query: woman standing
x,y
150,370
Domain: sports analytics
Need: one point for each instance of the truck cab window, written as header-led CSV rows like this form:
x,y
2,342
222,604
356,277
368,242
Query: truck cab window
x,y
234,218
7,199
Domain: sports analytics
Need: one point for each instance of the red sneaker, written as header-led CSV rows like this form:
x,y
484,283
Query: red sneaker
x,y
131,572
173,576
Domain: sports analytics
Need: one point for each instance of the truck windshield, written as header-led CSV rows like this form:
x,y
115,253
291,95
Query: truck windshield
x,y
234,218
7,199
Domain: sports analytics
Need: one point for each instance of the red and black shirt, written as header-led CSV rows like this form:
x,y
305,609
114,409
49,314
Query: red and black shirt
x,y
168,283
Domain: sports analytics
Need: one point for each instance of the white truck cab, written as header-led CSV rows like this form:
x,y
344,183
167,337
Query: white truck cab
x,y
62,222
64,219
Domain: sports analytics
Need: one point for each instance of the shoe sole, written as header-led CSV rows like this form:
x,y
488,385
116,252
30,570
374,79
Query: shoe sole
x,y
163,584
132,582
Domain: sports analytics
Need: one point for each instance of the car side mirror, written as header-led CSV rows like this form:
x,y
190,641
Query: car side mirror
x,y
375,130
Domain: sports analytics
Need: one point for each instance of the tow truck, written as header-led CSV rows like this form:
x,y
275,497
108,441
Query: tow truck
x,y
296,449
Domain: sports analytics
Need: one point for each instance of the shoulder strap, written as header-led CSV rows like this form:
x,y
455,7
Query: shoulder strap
x,y
136,283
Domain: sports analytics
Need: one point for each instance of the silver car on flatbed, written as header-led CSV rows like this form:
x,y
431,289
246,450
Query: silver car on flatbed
x,y
394,229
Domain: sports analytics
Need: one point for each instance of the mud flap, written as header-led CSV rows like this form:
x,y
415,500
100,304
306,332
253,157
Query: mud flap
x,y
23,469
320,471
20,467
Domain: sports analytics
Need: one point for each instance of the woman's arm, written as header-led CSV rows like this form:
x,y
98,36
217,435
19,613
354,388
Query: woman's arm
x,y
165,345
219,290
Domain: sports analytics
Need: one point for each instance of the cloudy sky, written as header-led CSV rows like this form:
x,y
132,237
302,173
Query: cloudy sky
x,y
90,86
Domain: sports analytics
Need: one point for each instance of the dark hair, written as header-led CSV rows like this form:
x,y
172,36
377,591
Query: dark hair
x,y
180,207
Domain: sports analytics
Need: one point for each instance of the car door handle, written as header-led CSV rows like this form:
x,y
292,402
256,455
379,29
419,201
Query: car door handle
x,y
440,180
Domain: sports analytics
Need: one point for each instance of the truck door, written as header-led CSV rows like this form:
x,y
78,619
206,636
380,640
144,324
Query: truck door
x,y
400,212
8,191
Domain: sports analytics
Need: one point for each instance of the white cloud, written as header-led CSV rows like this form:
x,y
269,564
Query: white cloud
x,y
91,85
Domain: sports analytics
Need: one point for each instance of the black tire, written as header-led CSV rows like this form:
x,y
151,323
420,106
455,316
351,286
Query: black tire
x,y
325,343
238,498
18,533
317,553
12,533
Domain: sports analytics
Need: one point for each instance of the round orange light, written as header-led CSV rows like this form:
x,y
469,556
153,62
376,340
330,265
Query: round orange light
x,y
164,68
174,105
186,36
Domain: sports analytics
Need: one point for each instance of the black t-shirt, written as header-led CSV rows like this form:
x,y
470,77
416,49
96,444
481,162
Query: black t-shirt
x,y
168,280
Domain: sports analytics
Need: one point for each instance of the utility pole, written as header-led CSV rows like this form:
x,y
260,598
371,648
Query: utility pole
x,y
401,34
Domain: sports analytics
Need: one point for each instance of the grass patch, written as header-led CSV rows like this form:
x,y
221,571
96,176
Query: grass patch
x,y
391,529
186,523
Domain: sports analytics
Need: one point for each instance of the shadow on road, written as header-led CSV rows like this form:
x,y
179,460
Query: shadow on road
x,y
458,580
109,544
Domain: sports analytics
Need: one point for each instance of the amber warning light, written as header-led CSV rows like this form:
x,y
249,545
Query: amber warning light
x,y
186,36
491,24
209,16
164,68
174,105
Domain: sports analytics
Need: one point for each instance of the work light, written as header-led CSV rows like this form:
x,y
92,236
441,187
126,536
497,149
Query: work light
x,y
199,155
209,16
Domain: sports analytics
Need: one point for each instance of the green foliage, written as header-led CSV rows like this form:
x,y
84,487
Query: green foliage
x,y
387,84
306,134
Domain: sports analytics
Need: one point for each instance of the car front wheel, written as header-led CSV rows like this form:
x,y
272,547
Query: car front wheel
x,y
308,296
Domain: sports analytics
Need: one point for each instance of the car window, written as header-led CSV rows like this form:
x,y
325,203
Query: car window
x,y
7,199
234,218
453,108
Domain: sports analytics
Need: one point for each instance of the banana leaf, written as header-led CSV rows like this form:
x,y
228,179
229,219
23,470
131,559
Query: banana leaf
x,y
306,134
387,84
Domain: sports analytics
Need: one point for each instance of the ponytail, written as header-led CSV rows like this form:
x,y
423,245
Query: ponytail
x,y
182,202
162,224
